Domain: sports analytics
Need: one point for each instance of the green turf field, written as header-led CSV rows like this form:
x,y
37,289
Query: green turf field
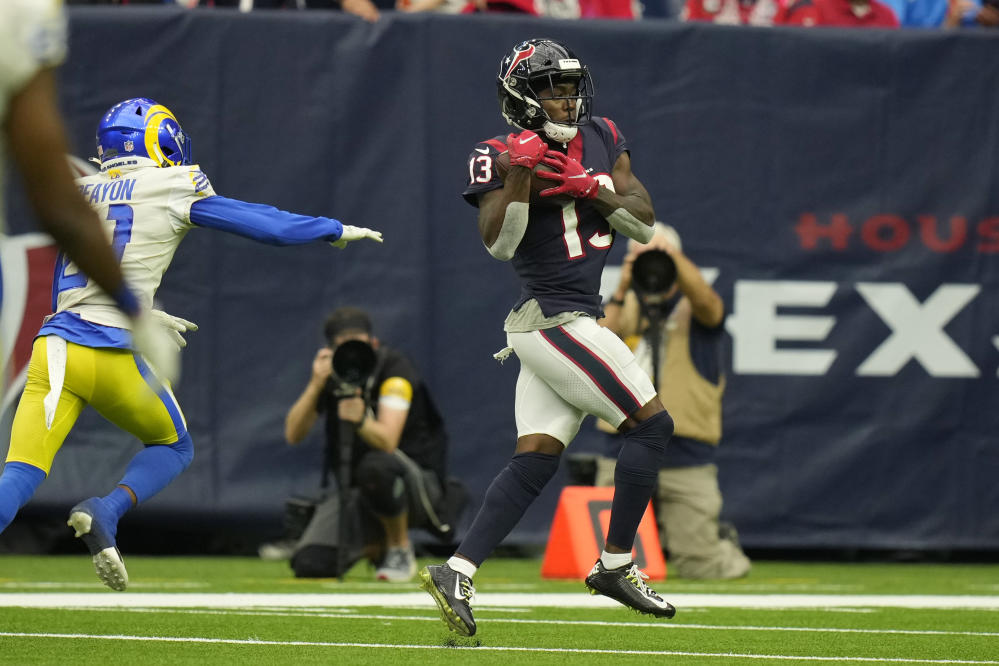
x,y
53,610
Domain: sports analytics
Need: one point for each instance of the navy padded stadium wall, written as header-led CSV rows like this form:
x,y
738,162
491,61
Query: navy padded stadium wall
x,y
841,188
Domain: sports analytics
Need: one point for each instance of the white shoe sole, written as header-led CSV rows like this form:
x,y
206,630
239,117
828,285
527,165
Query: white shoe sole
x,y
111,569
108,564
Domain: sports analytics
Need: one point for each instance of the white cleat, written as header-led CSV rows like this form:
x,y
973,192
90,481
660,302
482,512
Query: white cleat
x,y
111,569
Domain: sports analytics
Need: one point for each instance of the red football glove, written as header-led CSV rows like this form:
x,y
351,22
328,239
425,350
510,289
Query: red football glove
x,y
571,175
526,149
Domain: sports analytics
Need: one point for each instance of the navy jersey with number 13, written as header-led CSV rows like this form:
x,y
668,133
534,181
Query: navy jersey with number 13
x,y
563,252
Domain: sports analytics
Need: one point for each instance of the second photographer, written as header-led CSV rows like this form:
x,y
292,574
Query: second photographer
x,y
385,437
674,320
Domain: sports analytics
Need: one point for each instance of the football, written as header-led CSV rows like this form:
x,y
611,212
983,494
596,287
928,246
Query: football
x,y
502,163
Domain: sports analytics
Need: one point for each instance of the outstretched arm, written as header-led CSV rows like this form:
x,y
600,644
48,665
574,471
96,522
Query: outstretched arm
x,y
271,225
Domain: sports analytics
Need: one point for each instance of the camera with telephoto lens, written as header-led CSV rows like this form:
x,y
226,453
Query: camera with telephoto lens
x,y
653,273
353,363
652,276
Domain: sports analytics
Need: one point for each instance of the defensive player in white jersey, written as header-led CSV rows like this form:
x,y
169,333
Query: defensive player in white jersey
x,y
150,195
32,44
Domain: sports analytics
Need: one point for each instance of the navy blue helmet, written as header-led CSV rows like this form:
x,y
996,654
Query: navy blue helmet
x,y
538,65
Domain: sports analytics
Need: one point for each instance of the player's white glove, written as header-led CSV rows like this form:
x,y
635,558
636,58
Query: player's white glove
x,y
356,233
175,327
152,339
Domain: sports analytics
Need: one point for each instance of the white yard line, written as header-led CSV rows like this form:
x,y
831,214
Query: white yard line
x,y
488,648
485,600
347,614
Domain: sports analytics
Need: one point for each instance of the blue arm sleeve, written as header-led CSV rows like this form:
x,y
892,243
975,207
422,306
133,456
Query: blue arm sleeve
x,y
263,223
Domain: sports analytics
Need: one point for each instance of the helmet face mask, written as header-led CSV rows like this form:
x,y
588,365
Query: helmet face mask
x,y
542,67
139,129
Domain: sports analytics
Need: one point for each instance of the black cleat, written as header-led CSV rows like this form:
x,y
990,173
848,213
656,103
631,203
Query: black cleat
x,y
626,584
452,591
96,527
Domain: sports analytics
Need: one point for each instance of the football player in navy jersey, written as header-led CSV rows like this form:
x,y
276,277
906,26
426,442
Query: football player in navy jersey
x,y
150,194
570,366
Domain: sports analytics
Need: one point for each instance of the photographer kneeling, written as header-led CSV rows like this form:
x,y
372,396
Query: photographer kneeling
x,y
385,442
674,321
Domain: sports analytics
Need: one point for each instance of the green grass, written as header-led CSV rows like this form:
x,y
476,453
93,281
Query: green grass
x,y
401,625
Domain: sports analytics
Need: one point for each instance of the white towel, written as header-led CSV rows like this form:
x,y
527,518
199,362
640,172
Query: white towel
x,y
55,349
503,354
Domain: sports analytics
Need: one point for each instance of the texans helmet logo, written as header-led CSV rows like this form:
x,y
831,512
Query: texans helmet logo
x,y
522,54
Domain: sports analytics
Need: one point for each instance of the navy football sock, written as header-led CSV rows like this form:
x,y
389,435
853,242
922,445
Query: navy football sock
x,y
507,498
635,477
154,467
17,484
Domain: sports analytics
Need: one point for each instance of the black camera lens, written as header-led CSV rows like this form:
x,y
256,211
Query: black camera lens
x,y
653,272
353,362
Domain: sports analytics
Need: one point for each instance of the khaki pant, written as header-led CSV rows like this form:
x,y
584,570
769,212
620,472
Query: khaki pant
x,y
688,504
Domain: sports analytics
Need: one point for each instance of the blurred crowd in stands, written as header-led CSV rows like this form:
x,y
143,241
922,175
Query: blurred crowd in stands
x,y
841,13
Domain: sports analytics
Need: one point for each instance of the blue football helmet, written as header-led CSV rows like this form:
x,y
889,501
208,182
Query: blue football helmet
x,y
140,127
